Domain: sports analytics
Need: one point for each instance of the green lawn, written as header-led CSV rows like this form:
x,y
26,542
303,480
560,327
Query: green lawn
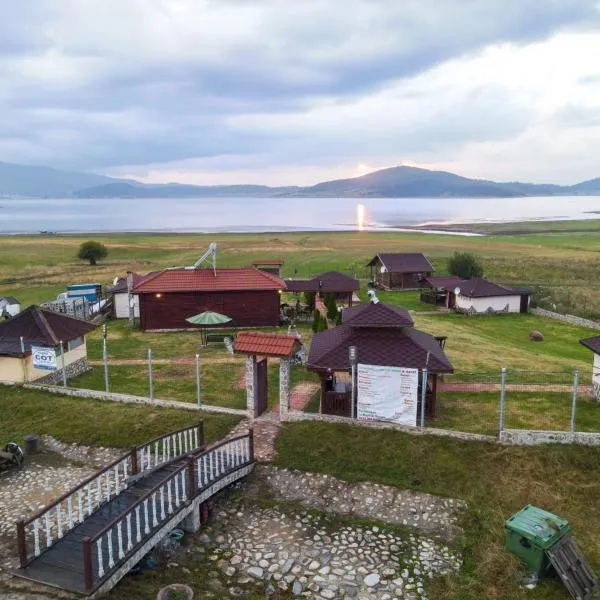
x,y
494,480
409,300
93,422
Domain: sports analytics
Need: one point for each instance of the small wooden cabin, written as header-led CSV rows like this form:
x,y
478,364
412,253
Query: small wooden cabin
x,y
399,271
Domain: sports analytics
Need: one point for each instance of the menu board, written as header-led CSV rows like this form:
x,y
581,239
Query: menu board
x,y
387,394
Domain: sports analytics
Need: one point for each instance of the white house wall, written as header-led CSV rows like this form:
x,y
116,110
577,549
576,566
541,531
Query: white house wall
x,y
122,307
70,357
496,303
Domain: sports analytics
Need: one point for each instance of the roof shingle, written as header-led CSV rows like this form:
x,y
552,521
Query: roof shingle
x,y
377,315
593,343
266,344
39,326
403,262
199,280
479,287
332,281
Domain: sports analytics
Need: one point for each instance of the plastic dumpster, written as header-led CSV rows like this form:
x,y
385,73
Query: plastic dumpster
x,y
532,531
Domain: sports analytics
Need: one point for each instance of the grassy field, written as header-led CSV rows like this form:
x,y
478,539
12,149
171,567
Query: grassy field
x,y
495,481
563,262
91,422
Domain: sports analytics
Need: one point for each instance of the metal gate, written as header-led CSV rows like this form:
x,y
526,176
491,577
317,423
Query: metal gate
x,y
262,389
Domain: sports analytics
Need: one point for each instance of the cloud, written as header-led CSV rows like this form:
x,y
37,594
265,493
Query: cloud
x,y
238,87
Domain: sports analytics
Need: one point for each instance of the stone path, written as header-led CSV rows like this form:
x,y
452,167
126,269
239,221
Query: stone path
x,y
315,557
300,395
424,512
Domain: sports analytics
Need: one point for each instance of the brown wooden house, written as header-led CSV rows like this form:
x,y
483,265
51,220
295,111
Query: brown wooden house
x,y
399,271
382,335
332,282
247,295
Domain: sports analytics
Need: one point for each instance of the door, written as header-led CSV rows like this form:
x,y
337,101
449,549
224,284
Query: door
x,y
262,390
524,303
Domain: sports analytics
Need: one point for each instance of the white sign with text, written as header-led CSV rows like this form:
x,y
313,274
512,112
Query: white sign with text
x,y
387,394
43,358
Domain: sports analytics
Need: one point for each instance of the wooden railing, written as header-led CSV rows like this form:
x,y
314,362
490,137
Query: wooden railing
x,y
337,403
118,540
37,533
166,448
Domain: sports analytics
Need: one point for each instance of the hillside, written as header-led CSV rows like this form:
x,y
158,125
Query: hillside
x,y
395,182
25,180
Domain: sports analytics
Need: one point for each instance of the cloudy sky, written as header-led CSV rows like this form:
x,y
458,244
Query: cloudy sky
x,y
298,91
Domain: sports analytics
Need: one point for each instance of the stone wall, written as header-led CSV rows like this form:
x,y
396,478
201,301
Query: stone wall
x,y
73,370
294,416
129,399
523,437
571,319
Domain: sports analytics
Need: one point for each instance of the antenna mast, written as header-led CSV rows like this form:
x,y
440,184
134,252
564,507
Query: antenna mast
x,y
211,252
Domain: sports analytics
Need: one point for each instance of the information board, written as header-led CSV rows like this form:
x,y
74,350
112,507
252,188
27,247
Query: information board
x,y
43,358
387,394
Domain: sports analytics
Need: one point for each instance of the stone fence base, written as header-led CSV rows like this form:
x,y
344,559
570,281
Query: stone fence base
x,y
295,416
130,399
73,370
571,319
523,437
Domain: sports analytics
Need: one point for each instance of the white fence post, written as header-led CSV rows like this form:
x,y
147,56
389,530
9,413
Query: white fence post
x,y
64,367
502,399
150,382
198,397
423,395
574,405
105,360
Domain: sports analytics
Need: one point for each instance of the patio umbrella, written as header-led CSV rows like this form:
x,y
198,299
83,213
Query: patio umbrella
x,y
207,319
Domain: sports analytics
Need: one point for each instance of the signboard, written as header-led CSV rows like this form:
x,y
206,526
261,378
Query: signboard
x,y
387,394
43,358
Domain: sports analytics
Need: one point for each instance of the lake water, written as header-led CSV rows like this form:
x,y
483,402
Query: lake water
x,y
275,214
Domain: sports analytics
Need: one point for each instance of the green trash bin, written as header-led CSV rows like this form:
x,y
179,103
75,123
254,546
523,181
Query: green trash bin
x,y
530,532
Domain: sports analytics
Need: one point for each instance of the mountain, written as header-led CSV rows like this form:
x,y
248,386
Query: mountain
x,y
25,180
395,182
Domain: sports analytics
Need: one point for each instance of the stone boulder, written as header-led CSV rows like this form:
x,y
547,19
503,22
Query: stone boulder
x,y
536,336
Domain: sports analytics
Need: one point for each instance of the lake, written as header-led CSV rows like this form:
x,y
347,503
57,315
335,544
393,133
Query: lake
x,y
275,214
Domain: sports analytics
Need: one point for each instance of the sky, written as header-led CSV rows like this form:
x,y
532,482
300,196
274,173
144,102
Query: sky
x,y
281,92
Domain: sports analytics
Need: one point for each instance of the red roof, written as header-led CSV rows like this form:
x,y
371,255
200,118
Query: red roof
x,y
266,344
204,280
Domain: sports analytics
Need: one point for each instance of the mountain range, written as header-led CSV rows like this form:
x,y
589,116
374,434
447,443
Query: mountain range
x,y
395,182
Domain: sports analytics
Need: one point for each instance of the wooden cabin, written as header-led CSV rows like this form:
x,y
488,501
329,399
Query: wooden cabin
x,y
399,271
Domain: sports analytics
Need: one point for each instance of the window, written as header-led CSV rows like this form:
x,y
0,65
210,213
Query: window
x,y
75,343
219,300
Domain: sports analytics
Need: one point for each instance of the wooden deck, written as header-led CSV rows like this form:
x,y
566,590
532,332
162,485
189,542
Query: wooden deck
x,y
96,552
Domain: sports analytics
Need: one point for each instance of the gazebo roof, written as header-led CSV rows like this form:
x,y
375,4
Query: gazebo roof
x,y
377,315
383,335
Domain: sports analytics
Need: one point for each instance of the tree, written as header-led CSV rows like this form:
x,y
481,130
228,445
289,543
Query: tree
x,y
465,265
331,306
92,251
316,321
323,326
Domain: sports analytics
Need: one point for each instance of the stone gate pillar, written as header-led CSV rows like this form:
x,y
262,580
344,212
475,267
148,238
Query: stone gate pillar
x,y
251,385
284,385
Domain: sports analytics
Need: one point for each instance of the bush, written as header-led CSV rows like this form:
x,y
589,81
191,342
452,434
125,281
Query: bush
x,y
316,321
309,298
323,326
465,265
92,251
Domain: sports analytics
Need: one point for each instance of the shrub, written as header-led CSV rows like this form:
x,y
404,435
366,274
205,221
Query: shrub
x,y
465,265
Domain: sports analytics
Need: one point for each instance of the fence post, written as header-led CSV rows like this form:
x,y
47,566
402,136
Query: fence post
x,y
191,475
21,543
251,444
201,434
423,395
574,405
134,461
502,399
150,382
64,368
105,360
198,397
88,576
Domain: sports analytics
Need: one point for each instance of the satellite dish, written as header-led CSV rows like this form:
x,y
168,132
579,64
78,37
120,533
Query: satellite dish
x,y
382,269
115,280
457,291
